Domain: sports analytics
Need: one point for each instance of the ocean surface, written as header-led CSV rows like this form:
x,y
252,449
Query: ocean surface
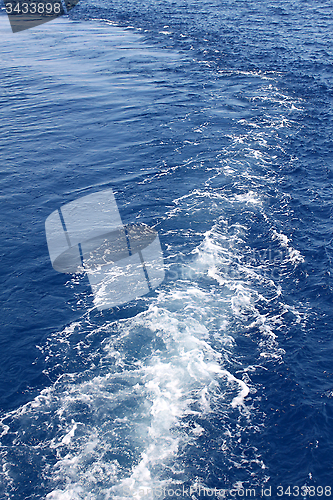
x,y
212,122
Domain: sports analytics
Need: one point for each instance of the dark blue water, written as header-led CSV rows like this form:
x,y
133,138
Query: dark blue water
x,y
213,123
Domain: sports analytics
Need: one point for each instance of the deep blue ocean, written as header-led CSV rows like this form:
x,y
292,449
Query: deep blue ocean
x,y
212,122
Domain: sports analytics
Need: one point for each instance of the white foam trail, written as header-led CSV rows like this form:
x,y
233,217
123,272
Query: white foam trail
x,y
294,256
117,430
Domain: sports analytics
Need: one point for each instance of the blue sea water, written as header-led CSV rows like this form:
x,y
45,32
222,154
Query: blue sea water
x,y
212,122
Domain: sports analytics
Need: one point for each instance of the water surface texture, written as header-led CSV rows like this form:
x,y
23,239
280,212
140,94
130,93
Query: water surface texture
x,y
212,123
